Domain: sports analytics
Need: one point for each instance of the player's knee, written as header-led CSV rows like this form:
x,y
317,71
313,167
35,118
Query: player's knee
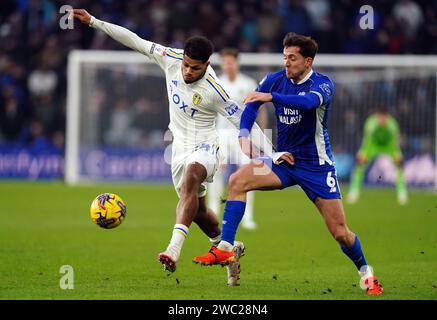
x,y
340,235
237,182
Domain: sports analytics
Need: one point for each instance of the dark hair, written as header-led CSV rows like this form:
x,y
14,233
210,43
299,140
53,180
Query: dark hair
x,y
198,48
229,52
308,47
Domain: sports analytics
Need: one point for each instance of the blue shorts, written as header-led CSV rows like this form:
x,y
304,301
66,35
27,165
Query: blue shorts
x,y
315,182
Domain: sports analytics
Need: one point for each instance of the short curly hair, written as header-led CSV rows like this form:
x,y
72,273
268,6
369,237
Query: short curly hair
x,y
198,48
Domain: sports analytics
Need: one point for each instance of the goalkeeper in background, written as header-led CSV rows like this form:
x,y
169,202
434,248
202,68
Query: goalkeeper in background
x,y
381,136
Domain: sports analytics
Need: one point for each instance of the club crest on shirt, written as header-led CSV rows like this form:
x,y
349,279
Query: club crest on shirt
x,y
325,87
197,99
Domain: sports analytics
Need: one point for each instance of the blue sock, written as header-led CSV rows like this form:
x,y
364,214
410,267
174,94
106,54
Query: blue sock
x,y
355,253
234,211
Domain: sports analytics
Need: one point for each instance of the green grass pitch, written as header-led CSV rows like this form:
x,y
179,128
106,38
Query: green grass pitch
x,y
291,256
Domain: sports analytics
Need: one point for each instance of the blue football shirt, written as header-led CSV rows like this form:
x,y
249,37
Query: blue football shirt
x,y
302,128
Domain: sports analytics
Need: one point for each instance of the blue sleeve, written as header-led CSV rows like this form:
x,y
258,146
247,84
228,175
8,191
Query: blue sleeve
x,y
248,118
324,89
320,93
306,102
250,112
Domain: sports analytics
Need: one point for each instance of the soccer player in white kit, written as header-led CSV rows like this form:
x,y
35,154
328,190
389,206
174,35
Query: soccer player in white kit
x,y
195,98
239,86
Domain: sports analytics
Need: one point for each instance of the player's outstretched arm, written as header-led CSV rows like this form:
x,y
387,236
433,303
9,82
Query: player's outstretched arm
x,y
118,33
309,101
123,36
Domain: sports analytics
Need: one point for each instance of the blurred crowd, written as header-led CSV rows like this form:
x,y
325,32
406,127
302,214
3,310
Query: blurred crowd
x,y
34,49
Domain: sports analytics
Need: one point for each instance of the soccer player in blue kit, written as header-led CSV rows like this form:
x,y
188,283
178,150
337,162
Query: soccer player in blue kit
x,y
302,100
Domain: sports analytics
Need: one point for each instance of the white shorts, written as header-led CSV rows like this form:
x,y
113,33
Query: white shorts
x,y
207,154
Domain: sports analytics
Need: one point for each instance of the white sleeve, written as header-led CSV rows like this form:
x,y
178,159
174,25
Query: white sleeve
x,y
150,49
232,112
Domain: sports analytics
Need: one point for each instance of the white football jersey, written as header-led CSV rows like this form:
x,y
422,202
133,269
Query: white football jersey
x,y
193,107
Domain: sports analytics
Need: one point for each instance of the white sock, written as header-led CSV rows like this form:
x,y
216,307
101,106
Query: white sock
x,y
365,272
180,232
225,246
216,240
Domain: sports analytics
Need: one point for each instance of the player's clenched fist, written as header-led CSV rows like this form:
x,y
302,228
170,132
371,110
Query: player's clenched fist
x,y
82,15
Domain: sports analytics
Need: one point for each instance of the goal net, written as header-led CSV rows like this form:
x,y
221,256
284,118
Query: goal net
x,y
117,113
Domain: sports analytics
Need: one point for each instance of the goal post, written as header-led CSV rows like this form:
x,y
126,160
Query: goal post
x,y
117,113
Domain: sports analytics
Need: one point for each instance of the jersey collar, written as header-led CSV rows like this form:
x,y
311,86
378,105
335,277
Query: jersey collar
x,y
304,79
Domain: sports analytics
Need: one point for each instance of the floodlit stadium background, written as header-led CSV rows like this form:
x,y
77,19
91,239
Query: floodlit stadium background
x,y
33,82
48,71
